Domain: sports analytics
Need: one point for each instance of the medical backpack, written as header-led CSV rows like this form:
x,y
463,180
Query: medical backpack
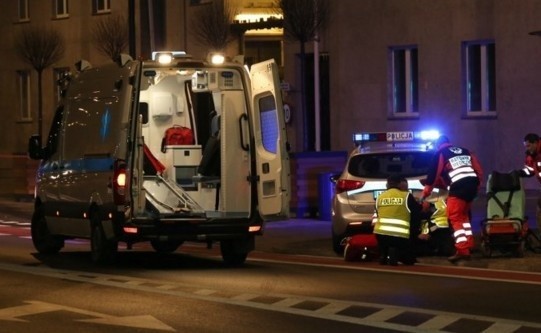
x,y
177,135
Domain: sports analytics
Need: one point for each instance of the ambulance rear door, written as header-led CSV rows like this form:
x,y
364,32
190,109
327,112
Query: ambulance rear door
x,y
272,158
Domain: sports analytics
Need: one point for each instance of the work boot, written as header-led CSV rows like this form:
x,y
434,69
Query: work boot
x,y
459,256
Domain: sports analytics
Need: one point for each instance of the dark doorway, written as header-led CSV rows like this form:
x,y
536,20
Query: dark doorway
x,y
259,50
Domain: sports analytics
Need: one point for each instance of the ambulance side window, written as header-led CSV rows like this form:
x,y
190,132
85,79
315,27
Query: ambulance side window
x,y
269,124
52,141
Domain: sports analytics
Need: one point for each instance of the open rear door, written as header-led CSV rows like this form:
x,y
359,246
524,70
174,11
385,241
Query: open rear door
x,y
272,159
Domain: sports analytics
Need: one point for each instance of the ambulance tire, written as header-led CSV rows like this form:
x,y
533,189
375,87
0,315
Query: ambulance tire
x,y
42,239
233,253
103,250
165,246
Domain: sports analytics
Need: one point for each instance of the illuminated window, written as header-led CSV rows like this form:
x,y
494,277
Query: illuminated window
x,y
23,77
61,8
24,14
101,6
479,62
404,81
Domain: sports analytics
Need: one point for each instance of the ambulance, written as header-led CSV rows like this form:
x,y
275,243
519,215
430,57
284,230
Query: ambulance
x,y
165,151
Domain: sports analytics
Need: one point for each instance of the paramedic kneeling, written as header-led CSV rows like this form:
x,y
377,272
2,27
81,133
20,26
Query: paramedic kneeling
x,y
459,169
394,209
435,230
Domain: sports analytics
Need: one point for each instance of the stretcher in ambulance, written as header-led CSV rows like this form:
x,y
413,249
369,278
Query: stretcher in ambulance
x,y
108,173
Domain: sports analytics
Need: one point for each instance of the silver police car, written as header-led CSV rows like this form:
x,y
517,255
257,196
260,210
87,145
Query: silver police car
x,y
377,156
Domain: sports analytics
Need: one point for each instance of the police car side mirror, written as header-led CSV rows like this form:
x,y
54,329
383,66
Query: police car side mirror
x,y
35,151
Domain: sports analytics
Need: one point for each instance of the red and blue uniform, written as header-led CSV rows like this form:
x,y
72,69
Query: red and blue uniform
x,y
459,169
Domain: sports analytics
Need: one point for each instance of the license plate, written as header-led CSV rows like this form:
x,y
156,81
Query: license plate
x,y
377,193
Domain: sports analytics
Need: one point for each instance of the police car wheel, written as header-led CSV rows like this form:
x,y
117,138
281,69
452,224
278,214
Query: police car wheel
x,y
42,239
103,251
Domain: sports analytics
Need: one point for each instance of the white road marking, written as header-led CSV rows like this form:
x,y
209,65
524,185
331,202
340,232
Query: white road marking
x,y
37,307
438,322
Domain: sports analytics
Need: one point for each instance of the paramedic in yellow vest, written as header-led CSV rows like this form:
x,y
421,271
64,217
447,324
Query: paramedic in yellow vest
x,y
436,228
394,209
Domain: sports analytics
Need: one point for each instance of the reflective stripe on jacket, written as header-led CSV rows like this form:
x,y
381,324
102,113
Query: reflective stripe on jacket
x,y
393,214
439,217
532,164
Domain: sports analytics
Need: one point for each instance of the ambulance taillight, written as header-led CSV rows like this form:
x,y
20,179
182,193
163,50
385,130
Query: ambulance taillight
x,y
119,182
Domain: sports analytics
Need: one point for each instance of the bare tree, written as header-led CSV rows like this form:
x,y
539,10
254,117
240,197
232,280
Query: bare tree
x,y
303,19
110,36
40,47
213,24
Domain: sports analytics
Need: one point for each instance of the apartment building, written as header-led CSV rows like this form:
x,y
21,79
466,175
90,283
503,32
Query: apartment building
x,y
470,68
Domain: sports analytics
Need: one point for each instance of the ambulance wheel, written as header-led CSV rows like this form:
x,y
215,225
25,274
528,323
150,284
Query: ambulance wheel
x,y
103,250
44,242
233,252
486,250
165,246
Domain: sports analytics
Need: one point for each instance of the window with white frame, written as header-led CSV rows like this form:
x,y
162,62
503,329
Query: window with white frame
x,y
24,14
404,81
101,6
479,82
61,9
23,77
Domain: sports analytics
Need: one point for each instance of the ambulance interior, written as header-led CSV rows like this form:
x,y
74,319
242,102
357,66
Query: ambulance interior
x,y
210,103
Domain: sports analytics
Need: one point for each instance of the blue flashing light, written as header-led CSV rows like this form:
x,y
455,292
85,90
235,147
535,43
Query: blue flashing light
x,y
430,135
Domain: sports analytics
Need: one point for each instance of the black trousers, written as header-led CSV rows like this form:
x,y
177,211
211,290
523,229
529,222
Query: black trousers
x,y
403,248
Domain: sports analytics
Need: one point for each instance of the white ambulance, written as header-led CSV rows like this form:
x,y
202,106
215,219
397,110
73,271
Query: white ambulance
x,y
108,172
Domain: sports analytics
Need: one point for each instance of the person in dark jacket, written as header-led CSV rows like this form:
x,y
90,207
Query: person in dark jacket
x,y
458,168
532,168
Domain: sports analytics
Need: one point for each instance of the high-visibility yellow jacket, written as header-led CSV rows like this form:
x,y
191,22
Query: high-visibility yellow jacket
x,y
393,214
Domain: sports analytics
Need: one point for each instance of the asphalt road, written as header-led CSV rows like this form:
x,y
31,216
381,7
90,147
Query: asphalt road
x,y
313,237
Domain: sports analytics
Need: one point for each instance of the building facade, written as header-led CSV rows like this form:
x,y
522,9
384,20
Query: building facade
x,y
469,68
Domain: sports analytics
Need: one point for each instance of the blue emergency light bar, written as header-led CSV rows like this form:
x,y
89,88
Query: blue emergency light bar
x,y
405,136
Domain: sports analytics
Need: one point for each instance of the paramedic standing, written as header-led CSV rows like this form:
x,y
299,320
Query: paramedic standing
x,y
459,169
532,167
394,209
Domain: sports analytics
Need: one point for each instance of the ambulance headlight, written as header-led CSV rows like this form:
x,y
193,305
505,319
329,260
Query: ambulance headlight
x,y
166,57
216,58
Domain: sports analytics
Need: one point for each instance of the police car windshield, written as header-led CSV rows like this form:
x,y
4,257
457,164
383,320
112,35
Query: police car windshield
x,y
382,165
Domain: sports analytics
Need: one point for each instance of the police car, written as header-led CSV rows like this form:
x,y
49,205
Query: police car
x,y
377,156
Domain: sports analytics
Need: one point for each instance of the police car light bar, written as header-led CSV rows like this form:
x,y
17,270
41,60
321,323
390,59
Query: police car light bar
x,y
418,136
